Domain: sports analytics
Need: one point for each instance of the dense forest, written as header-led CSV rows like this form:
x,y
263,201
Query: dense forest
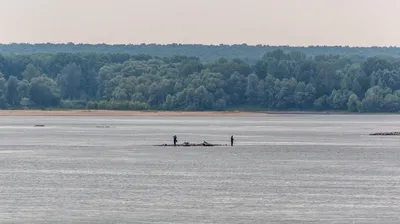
x,y
277,80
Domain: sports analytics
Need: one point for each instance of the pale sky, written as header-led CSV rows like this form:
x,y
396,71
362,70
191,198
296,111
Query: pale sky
x,y
273,22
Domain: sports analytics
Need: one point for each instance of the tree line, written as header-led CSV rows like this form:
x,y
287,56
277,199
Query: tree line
x,y
278,80
209,53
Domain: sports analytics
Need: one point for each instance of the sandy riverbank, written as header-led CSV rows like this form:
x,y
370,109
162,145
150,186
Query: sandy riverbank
x,y
120,113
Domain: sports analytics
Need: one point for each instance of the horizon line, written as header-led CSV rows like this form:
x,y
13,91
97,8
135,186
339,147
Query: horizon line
x,y
201,44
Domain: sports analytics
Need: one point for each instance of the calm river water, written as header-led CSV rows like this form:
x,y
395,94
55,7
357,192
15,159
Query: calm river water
x,y
283,169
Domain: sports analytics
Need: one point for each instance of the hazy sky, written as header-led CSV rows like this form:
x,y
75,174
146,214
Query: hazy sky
x,y
274,22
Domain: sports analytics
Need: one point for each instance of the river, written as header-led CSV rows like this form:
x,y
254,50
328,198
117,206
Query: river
x,y
282,169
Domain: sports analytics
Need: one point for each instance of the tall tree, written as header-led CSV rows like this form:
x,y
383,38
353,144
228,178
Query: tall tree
x,y
30,72
70,81
12,94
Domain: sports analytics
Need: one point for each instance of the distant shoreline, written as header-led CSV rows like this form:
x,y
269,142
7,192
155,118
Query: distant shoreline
x,y
113,113
125,113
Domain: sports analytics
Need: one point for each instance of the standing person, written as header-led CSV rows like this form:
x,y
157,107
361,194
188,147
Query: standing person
x,y
175,140
232,140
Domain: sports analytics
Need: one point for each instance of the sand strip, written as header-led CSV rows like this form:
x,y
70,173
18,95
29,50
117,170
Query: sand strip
x,y
121,113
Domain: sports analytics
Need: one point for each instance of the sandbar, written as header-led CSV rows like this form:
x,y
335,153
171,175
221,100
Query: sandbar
x,y
126,113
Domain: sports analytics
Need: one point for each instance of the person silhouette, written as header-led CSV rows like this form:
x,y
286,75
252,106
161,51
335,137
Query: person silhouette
x,y
175,140
232,139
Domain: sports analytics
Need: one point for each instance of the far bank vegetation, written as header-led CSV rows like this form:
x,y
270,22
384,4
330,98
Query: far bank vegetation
x,y
278,80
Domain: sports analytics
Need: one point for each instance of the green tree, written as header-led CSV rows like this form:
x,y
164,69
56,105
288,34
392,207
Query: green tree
x,y
23,89
3,92
391,103
70,81
44,92
321,103
30,72
203,99
374,99
12,94
252,89
304,96
338,99
353,105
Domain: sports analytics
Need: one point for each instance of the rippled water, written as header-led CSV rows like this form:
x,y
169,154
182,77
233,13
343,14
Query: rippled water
x,y
283,169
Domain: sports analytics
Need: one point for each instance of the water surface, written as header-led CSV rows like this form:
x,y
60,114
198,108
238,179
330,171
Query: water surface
x,y
283,169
